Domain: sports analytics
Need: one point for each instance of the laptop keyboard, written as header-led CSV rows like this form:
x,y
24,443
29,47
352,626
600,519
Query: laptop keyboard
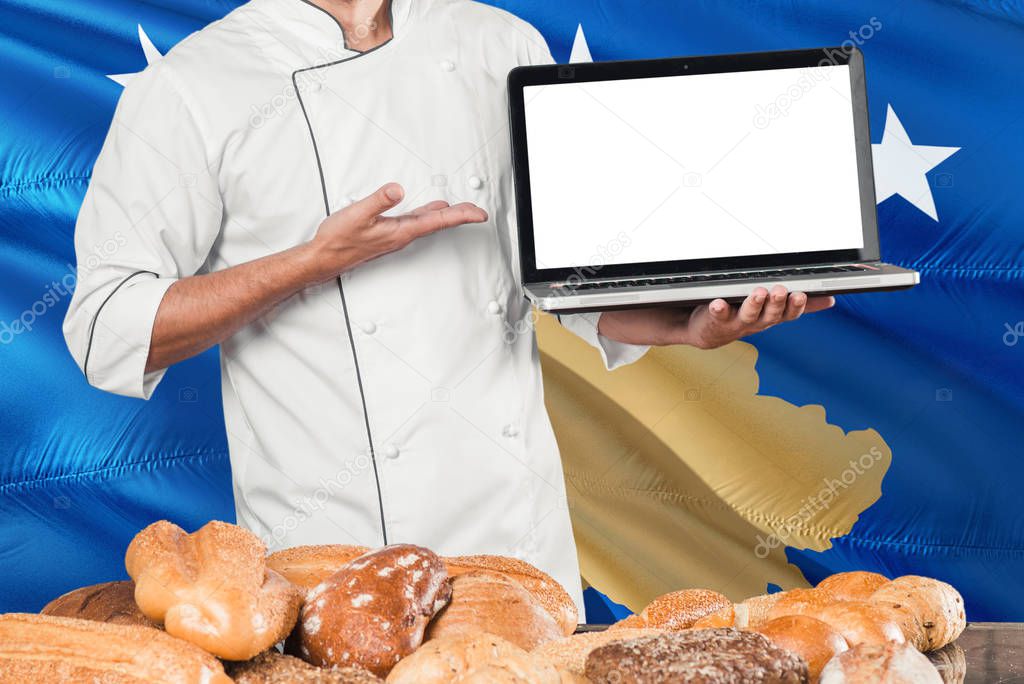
x,y
709,277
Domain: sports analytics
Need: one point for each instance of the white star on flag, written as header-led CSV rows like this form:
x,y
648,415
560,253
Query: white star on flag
x,y
580,50
900,166
148,49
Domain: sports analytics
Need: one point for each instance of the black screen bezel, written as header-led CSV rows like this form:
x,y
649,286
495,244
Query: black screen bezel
x,y
524,76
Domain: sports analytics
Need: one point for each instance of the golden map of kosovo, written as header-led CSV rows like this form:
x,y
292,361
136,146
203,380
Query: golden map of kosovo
x,y
679,474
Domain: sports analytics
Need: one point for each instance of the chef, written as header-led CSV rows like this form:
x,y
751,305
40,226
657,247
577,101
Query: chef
x,y
323,189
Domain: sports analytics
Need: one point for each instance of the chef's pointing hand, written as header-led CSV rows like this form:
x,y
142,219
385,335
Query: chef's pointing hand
x,y
361,232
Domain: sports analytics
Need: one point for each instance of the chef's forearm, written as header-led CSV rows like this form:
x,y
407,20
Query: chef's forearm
x,y
201,311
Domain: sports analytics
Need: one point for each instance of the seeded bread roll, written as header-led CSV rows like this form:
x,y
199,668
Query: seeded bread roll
x,y
680,609
699,656
570,653
212,588
811,639
112,602
373,612
551,594
271,667
889,663
308,566
861,622
484,601
755,610
931,612
47,648
853,586
800,602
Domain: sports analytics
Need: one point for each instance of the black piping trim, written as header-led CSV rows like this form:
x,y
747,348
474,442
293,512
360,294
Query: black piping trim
x,y
341,289
92,326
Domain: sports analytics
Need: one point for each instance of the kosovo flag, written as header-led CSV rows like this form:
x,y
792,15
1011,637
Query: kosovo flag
x,y
881,435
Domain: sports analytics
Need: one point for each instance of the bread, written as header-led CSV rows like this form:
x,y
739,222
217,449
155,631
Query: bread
x,y
755,610
723,617
374,611
570,653
440,660
271,667
889,663
951,662
514,668
308,566
800,602
699,656
853,586
47,648
108,602
212,588
546,590
811,639
931,612
484,601
861,622
634,621
680,609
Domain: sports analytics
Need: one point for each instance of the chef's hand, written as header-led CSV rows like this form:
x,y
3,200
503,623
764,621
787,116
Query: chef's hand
x,y
709,325
359,232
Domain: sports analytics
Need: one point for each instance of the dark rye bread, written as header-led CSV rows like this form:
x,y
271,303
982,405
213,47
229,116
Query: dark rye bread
x,y
108,602
702,656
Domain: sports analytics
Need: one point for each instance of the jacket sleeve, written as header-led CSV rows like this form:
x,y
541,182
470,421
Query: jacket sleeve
x,y
150,216
614,354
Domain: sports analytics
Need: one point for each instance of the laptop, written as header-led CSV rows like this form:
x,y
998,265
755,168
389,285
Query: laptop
x,y
678,181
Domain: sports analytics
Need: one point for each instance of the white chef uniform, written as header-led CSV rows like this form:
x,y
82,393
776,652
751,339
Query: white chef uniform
x,y
403,401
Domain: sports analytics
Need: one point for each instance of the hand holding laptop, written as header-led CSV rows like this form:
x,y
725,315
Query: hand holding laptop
x,y
712,325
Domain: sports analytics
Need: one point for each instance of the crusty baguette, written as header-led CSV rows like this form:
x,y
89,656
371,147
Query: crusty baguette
x,y
47,648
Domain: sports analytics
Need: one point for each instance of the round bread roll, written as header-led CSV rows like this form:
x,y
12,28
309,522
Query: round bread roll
x,y
551,594
888,663
47,648
853,586
634,621
514,668
570,653
212,587
374,611
484,601
440,660
861,622
811,639
112,602
754,611
951,662
271,667
931,612
680,609
800,602
708,656
308,566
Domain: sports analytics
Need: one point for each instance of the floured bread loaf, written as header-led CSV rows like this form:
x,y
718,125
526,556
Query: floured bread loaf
x,y
699,656
889,663
930,612
108,602
853,586
484,601
47,648
212,588
546,590
755,610
373,612
308,566
570,653
811,639
271,667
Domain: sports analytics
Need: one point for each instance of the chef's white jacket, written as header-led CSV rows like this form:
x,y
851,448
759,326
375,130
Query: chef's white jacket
x,y
403,401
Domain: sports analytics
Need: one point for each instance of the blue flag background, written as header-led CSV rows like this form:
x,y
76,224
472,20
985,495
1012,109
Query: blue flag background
x,y
81,471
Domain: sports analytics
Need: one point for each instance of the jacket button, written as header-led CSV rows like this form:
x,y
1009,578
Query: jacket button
x,y
368,327
476,182
447,65
510,430
493,307
390,451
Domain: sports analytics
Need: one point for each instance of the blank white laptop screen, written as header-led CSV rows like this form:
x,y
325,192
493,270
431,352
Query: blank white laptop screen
x,y
693,167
